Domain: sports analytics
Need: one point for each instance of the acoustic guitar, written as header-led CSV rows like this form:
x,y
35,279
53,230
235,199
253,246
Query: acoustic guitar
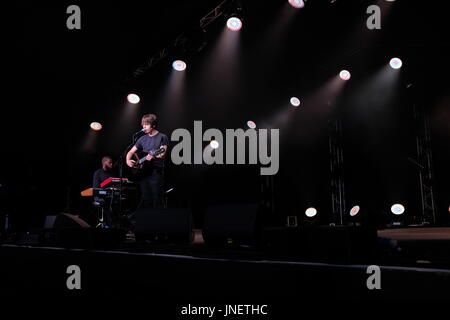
x,y
141,162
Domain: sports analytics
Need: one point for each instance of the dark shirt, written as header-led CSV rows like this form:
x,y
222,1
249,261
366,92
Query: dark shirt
x,y
101,175
146,143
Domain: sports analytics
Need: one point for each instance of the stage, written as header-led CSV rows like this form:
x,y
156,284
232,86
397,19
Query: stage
x,y
414,264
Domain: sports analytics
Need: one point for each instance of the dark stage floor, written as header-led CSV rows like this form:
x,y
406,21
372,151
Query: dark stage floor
x,y
413,263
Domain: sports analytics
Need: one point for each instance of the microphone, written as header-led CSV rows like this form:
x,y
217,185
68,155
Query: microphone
x,y
140,131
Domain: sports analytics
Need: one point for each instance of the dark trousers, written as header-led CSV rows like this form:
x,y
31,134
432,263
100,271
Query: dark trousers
x,y
152,189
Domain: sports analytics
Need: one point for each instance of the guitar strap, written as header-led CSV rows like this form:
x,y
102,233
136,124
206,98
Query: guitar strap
x,y
157,144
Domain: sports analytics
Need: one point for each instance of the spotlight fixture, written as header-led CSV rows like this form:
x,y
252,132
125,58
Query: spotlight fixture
x,y
354,211
96,126
133,98
345,75
295,101
179,65
298,4
251,124
310,212
397,209
234,24
395,63
214,144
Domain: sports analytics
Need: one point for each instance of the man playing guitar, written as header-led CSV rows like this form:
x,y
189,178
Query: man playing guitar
x,y
154,144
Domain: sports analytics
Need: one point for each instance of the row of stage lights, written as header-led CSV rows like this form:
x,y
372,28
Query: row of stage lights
x,y
311,215
298,4
396,209
179,65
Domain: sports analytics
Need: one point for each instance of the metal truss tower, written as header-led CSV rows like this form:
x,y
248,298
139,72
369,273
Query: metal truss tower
x,y
337,172
424,164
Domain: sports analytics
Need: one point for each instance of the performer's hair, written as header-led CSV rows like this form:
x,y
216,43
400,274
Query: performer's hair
x,y
150,119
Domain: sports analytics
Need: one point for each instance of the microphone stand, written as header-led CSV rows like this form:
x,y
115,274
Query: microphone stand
x,y
120,163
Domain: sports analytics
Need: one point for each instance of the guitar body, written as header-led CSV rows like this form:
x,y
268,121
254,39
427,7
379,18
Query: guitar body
x,y
142,165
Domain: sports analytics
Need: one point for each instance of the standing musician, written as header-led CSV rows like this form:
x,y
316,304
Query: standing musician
x,y
151,171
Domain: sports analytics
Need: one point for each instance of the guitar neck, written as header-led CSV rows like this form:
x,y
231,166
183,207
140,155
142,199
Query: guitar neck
x,y
142,160
155,153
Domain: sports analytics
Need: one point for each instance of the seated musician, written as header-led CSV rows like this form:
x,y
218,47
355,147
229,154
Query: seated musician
x,y
100,175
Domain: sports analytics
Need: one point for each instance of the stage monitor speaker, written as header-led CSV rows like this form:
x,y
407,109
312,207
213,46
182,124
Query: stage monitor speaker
x,y
70,231
236,224
64,220
49,222
164,225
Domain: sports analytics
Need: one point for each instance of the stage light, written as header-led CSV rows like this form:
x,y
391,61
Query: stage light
x,y
395,63
234,24
295,101
133,98
310,212
354,211
345,75
397,209
251,124
179,65
96,126
297,3
214,144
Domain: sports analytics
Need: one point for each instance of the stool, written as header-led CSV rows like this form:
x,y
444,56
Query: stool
x,y
100,216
